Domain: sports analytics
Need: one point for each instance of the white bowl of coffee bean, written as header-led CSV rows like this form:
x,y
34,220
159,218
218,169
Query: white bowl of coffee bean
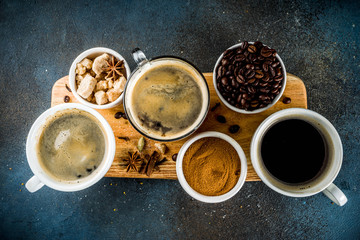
x,y
249,77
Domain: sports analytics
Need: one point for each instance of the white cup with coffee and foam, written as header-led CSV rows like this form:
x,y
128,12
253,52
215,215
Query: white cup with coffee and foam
x,y
42,176
323,181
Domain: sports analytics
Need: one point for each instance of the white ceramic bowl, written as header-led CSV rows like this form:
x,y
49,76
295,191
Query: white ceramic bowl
x,y
93,53
242,110
192,192
41,178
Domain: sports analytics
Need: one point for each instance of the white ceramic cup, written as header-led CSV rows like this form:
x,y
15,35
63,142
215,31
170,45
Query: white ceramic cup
x,y
192,192
322,183
242,110
93,53
41,178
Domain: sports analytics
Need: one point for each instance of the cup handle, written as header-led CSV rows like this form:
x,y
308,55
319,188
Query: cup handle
x,y
34,184
139,56
335,194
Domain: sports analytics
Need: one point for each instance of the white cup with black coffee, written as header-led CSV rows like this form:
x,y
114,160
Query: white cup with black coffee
x,y
298,153
69,148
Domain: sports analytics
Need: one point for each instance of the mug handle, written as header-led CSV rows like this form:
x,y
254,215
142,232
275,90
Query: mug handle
x,y
139,56
34,184
335,194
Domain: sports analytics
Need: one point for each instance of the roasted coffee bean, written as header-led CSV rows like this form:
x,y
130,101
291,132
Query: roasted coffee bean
x,y
278,78
251,49
240,58
272,71
259,74
264,90
250,66
275,85
234,128
239,51
251,74
252,80
263,84
251,89
244,45
286,100
238,99
228,53
245,96
233,83
66,99
240,79
221,119
256,83
242,101
254,104
278,72
224,62
275,64
265,67
224,81
265,52
174,157
274,91
262,97
220,71
119,115
266,78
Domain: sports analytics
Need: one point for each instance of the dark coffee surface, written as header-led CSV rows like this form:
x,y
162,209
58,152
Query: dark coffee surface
x,y
293,151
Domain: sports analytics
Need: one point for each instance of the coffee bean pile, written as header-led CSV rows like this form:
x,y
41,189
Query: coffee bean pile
x,y
249,77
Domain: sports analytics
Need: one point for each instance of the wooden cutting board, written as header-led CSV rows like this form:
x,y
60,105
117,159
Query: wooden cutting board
x,y
295,89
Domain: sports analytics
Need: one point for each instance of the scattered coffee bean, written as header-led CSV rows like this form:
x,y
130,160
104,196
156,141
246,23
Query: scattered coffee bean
x,y
221,119
215,107
174,157
287,100
119,115
66,99
234,128
252,69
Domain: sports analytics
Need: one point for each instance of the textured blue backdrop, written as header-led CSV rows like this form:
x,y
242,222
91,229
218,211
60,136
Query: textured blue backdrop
x,y
318,41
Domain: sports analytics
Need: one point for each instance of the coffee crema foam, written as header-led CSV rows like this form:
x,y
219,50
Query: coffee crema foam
x,y
71,145
168,99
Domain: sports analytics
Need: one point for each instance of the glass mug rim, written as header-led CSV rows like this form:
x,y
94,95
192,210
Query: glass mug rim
x,y
164,58
319,183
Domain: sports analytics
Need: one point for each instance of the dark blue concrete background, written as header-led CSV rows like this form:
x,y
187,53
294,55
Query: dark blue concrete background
x,y
318,41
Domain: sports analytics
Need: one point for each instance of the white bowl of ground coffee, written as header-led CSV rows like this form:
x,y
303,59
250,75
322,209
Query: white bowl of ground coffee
x,y
211,167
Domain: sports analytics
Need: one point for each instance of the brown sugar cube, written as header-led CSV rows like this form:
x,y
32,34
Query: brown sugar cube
x,y
86,86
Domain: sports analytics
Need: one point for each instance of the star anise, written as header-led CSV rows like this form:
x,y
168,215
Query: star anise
x,y
114,69
132,162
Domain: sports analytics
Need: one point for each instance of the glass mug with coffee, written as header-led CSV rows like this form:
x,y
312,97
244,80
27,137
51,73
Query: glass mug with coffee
x,y
298,153
166,98
69,148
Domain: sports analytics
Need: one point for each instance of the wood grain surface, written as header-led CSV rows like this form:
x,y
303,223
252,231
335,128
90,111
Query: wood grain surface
x,y
295,89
